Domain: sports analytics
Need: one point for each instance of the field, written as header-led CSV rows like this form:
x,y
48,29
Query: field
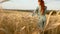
x,y
22,22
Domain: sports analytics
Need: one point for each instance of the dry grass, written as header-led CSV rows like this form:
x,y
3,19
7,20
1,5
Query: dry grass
x,y
14,22
18,22
53,20
53,24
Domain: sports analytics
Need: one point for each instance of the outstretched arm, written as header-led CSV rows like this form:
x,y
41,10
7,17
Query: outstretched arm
x,y
35,11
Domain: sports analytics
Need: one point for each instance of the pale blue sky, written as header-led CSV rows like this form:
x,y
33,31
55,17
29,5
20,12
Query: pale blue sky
x,y
31,4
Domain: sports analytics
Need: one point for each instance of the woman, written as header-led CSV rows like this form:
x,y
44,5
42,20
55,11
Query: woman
x,y
42,17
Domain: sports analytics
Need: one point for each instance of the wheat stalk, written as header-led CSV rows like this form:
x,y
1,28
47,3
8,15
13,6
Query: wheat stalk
x,y
47,22
53,24
57,13
6,32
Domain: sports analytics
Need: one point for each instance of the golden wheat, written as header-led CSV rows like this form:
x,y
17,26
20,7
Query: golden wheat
x,y
14,22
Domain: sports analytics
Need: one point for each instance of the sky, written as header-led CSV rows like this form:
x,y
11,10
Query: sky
x,y
30,4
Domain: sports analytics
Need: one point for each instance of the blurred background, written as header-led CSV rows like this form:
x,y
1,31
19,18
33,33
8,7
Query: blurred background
x,y
30,4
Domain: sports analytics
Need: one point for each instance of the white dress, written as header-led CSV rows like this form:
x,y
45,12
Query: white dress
x,y
42,18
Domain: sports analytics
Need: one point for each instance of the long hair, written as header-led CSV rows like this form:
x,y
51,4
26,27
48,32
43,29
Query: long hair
x,y
42,4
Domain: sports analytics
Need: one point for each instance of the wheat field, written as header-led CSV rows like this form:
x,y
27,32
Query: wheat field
x,y
20,22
